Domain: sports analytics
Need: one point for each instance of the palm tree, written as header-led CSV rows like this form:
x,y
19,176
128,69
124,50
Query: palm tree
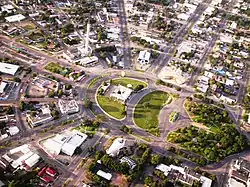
x,y
12,183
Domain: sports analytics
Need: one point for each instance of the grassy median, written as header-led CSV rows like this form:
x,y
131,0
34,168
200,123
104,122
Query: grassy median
x,y
114,108
147,111
126,81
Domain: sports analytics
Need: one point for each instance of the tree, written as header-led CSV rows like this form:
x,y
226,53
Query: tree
x,y
51,94
16,79
138,88
60,93
155,159
9,110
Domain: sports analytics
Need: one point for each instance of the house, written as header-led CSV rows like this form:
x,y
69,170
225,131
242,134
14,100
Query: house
x,y
51,171
202,87
68,107
144,57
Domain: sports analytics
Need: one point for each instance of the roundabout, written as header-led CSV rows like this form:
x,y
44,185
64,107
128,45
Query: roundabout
x,y
140,108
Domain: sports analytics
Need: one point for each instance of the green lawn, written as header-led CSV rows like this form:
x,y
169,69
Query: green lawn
x,y
112,107
147,111
126,81
93,81
56,68
30,26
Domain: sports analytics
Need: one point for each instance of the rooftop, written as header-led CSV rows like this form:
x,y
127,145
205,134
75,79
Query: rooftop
x,y
8,68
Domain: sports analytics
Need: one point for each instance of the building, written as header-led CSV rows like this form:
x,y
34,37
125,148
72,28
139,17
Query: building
x,y
68,107
116,146
129,161
104,175
15,18
21,157
8,8
2,87
88,61
184,175
10,69
41,116
234,183
121,93
64,143
144,57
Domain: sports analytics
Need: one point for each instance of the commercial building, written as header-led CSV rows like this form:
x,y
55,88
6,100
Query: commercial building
x,y
21,157
121,93
10,69
144,57
15,18
183,175
64,143
43,115
68,107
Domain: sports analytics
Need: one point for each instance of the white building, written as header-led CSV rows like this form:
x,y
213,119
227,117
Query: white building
x,y
42,116
234,183
26,158
114,149
144,57
15,18
206,182
121,93
68,107
8,8
227,99
2,86
104,175
10,69
65,143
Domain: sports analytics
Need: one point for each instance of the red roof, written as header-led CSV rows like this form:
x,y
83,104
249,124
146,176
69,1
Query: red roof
x,y
46,179
41,172
51,171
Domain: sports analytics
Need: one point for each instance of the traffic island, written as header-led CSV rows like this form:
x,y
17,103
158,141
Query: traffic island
x,y
113,94
147,111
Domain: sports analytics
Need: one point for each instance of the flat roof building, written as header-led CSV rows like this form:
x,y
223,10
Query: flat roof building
x,y
43,115
65,143
68,107
15,18
10,69
2,86
121,93
104,175
144,57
